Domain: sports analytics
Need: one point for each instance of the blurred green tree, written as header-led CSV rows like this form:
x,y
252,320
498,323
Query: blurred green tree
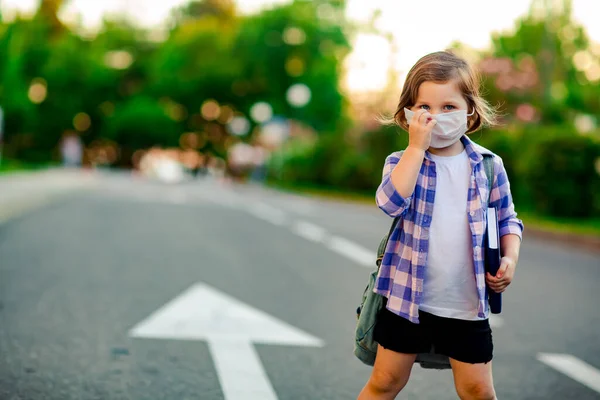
x,y
18,109
47,12
546,70
299,43
140,123
25,50
57,78
195,63
224,10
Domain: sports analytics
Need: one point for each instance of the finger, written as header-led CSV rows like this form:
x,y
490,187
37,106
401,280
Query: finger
x,y
491,278
417,114
495,285
507,277
431,123
498,288
424,116
502,270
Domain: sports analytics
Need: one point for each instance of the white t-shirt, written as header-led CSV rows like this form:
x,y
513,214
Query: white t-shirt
x,y
449,286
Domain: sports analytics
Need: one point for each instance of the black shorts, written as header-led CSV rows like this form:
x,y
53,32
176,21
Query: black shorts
x,y
462,340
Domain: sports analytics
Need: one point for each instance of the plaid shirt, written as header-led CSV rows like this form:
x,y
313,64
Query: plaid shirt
x,y
402,269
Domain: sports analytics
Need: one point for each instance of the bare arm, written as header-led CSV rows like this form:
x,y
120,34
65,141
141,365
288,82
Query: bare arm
x,y
400,175
510,245
405,174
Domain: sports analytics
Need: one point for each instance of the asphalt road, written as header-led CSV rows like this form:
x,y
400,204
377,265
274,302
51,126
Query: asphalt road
x,y
79,272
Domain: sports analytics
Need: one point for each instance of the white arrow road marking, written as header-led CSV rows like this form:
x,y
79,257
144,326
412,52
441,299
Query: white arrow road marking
x,y
230,327
240,372
574,368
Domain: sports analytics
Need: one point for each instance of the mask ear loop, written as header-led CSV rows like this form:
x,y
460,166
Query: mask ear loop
x,y
470,122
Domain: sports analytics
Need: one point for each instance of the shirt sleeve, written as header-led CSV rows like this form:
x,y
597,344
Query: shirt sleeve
x,y
501,198
387,197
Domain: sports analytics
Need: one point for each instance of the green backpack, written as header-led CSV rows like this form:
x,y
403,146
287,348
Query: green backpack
x,y
365,347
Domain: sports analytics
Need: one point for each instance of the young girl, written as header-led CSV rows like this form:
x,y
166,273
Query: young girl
x,y
432,275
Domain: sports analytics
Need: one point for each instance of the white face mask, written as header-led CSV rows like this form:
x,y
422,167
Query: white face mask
x,y
449,129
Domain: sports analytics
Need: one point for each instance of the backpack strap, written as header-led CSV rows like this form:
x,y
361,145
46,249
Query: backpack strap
x,y
488,166
384,242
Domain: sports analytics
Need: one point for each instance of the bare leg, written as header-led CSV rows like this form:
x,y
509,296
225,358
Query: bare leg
x,y
473,381
390,374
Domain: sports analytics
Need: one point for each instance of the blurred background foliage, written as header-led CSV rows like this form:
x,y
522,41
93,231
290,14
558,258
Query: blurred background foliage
x,y
215,78
138,90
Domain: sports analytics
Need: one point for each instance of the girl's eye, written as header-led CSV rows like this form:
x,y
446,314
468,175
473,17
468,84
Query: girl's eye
x,y
424,107
449,107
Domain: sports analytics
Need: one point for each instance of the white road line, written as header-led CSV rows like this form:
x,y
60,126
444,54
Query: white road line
x,y
574,368
352,250
340,245
302,207
309,231
268,213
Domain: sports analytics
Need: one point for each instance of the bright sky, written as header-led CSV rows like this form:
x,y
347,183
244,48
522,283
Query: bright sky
x,y
417,28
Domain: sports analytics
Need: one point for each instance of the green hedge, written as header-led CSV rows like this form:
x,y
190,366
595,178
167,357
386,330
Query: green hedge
x,y
563,177
553,171
336,162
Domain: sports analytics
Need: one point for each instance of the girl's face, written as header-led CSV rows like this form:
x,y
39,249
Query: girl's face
x,y
438,98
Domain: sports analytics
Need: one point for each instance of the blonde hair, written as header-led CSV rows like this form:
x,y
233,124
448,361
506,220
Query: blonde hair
x,y
441,67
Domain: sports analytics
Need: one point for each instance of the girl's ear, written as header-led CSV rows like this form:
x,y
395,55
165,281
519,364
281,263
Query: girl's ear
x,y
473,121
